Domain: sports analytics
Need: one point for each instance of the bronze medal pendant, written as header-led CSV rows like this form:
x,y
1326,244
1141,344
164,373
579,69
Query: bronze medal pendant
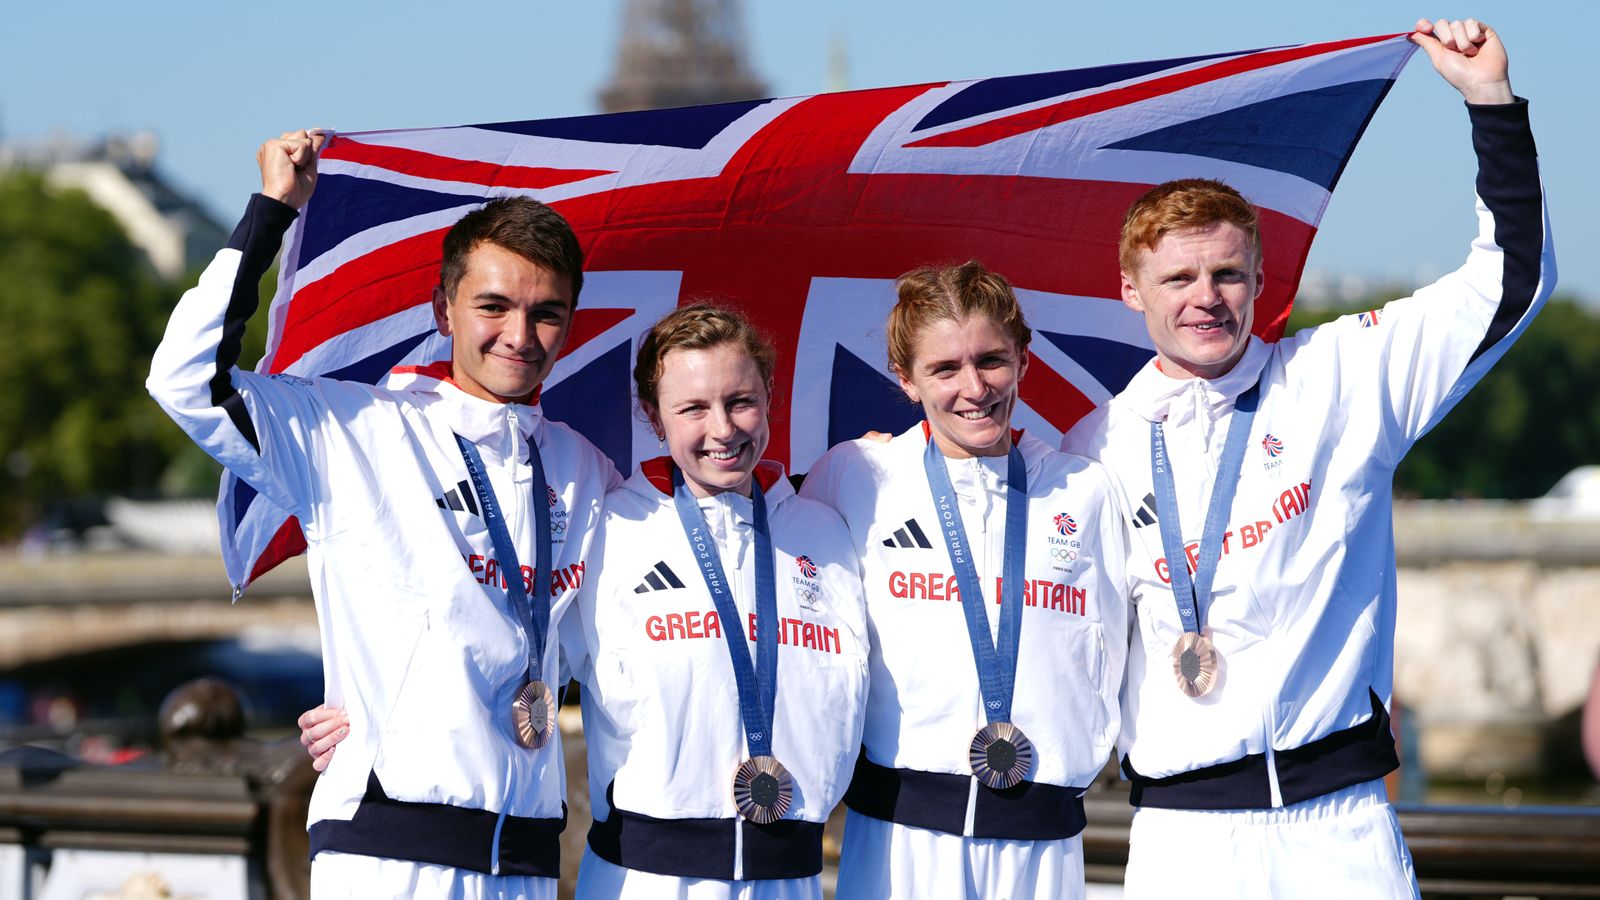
x,y
1001,755
533,710
1194,661
533,715
762,789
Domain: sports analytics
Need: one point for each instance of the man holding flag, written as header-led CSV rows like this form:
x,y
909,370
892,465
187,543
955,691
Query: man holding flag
x,y
1257,481
804,202
446,533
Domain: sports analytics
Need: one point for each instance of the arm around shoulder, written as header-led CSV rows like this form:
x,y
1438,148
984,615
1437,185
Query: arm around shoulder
x,y
823,481
1086,437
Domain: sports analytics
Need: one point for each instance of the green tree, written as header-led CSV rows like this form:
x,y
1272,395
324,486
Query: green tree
x,y
81,311
1531,420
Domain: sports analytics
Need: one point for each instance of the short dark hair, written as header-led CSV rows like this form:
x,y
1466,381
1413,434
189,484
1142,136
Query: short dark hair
x,y
523,226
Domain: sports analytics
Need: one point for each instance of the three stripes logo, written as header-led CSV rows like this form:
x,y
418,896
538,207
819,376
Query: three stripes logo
x,y
909,537
661,578
1147,512
459,498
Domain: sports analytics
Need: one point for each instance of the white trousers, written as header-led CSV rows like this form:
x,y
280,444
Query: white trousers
x,y
601,880
1340,845
883,860
336,876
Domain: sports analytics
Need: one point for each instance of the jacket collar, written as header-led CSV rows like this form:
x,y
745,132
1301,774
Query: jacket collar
x,y
1156,397
657,474
1033,450
478,420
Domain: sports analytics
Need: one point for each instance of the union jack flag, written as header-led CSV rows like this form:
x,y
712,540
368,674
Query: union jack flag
x,y
803,211
1370,318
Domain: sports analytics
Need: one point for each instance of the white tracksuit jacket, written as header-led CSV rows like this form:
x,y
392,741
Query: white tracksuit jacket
x,y
924,703
661,705
419,644
1304,604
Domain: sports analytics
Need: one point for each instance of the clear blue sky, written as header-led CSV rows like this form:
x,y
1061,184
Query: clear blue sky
x,y
214,79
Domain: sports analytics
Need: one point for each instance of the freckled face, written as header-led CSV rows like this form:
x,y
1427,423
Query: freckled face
x,y
965,374
507,323
1197,291
712,408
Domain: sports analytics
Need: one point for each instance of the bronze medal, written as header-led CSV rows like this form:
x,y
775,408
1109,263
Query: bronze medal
x,y
533,715
1194,662
762,789
1001,755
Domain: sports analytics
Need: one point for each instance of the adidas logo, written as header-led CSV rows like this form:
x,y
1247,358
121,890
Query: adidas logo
x,y
660,578
908,536
1147,513
457,496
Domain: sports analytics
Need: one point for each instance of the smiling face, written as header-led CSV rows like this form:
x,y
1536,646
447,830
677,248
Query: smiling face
x,y
965,374
1197,289
711,406
507,323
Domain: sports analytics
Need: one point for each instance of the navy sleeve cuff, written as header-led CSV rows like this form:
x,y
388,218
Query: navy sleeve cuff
x,y
265,221
1502,129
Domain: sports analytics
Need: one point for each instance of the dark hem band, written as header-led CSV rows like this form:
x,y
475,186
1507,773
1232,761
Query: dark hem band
x,y
1356,755
1029,811
442,835
704,848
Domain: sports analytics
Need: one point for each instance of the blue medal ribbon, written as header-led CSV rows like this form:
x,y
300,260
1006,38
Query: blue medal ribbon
x,y
1194,596
997,660
534,612
757,681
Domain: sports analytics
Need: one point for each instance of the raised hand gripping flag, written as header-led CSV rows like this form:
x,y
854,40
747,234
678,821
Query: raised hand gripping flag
x,y
802,211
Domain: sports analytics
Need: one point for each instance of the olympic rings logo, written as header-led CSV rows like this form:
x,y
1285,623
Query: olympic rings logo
x,y
1063,554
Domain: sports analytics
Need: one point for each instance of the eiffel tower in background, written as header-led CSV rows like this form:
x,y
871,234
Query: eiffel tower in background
x,y
680,53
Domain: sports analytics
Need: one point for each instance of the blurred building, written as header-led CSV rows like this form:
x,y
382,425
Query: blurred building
x,y
119,173
680,53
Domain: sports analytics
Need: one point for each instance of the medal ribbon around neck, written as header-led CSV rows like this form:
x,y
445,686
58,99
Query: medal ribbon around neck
x,y
534,612
762,788
1193,596
997,660
758,681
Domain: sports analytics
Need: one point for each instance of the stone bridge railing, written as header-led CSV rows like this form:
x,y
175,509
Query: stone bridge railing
x,y
55,606
1498,635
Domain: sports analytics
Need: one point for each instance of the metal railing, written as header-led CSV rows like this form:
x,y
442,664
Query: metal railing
x,y
256,815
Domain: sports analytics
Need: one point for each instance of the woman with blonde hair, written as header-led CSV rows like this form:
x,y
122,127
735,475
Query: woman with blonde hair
x,y
992,566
